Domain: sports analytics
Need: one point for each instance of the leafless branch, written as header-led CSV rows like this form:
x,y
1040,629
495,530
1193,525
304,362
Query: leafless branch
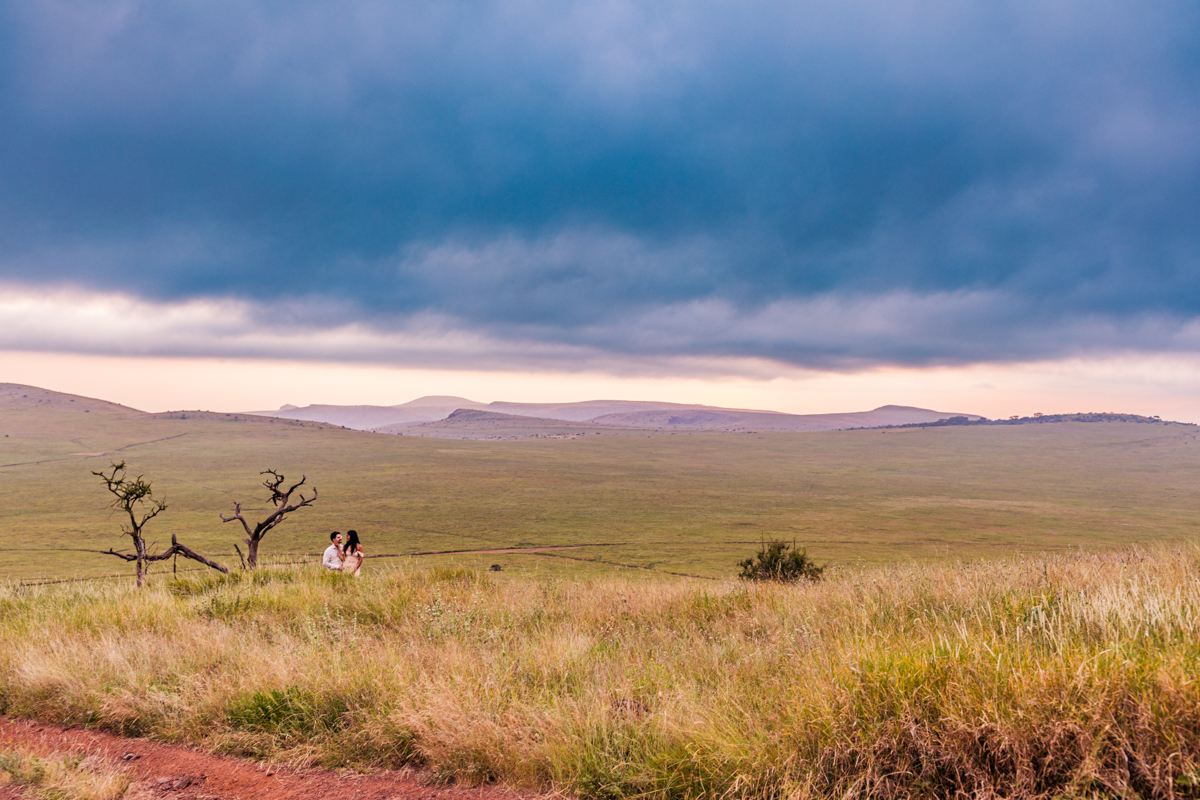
x,y
237,514
288,493
188,552
174,549
282,500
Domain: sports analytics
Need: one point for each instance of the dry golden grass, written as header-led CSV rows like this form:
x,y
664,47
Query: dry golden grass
x,y
1063,676
61,777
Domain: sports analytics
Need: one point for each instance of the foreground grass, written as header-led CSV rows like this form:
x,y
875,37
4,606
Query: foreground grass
x,y
61,777
1063,676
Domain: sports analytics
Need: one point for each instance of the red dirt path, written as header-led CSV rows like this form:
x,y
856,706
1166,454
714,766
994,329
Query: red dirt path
x,y
171,772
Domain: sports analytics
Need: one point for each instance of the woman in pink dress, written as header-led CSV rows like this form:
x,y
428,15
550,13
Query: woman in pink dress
x,y
353,558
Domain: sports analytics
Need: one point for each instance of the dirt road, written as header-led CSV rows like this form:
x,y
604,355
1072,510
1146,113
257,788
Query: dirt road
x,y
170,772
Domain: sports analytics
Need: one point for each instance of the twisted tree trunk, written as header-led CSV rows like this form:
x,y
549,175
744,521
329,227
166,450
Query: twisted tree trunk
x,y
143,558
281,499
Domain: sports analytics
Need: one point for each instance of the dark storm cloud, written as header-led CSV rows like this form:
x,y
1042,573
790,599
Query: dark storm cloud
x,y
826,183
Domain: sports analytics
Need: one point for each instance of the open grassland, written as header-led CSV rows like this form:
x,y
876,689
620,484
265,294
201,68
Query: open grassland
x,y
1058,676
688,503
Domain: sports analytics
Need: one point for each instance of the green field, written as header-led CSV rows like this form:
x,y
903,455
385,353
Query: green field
x,y
688,503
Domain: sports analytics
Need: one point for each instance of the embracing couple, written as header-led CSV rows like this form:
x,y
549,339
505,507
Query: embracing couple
x,y
347,557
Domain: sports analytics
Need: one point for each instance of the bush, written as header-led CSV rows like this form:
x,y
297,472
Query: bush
x,y
780,561
291,710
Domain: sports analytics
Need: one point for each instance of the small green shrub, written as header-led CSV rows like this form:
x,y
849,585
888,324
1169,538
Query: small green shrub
x,y
782,562
225,608
193,585
264,577
24,770
292,710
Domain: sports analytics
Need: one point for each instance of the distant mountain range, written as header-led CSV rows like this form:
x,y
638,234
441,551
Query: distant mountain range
x,y
471,423
460,418
421,413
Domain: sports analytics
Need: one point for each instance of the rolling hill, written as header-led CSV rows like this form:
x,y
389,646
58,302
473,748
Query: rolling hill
x,y
15,397
363,418
613,413
701,418
468,423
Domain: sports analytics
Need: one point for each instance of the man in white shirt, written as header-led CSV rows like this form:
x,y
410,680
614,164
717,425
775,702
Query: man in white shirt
x,y
333,553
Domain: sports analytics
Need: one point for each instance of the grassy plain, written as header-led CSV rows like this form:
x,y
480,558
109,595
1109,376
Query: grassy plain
x,y
689,503
916,669
1070,676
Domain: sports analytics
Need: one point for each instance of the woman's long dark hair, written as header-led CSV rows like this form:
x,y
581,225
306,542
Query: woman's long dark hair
x,y
352,542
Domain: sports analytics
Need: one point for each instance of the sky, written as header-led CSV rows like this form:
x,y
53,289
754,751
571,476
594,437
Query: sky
x,y
824,206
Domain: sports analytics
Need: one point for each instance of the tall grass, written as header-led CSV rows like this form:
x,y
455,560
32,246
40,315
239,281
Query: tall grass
x,y
61,777
1071,676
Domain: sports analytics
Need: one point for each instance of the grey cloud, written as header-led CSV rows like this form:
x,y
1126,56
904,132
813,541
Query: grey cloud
x,y
711,337
635,180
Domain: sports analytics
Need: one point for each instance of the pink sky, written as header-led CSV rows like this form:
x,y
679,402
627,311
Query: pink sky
x,y
1168,386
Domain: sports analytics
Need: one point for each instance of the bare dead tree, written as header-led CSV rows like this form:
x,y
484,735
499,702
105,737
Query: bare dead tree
x,y
282,500
135,498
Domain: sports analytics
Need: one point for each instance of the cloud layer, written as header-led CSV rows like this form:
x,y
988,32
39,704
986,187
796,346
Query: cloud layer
x,y
828,184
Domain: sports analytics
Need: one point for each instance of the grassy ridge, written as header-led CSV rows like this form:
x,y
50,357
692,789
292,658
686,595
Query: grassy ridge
x,y
1058,676
692,503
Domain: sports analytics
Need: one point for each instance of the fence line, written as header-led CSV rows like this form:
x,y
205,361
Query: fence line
x,y
533,551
